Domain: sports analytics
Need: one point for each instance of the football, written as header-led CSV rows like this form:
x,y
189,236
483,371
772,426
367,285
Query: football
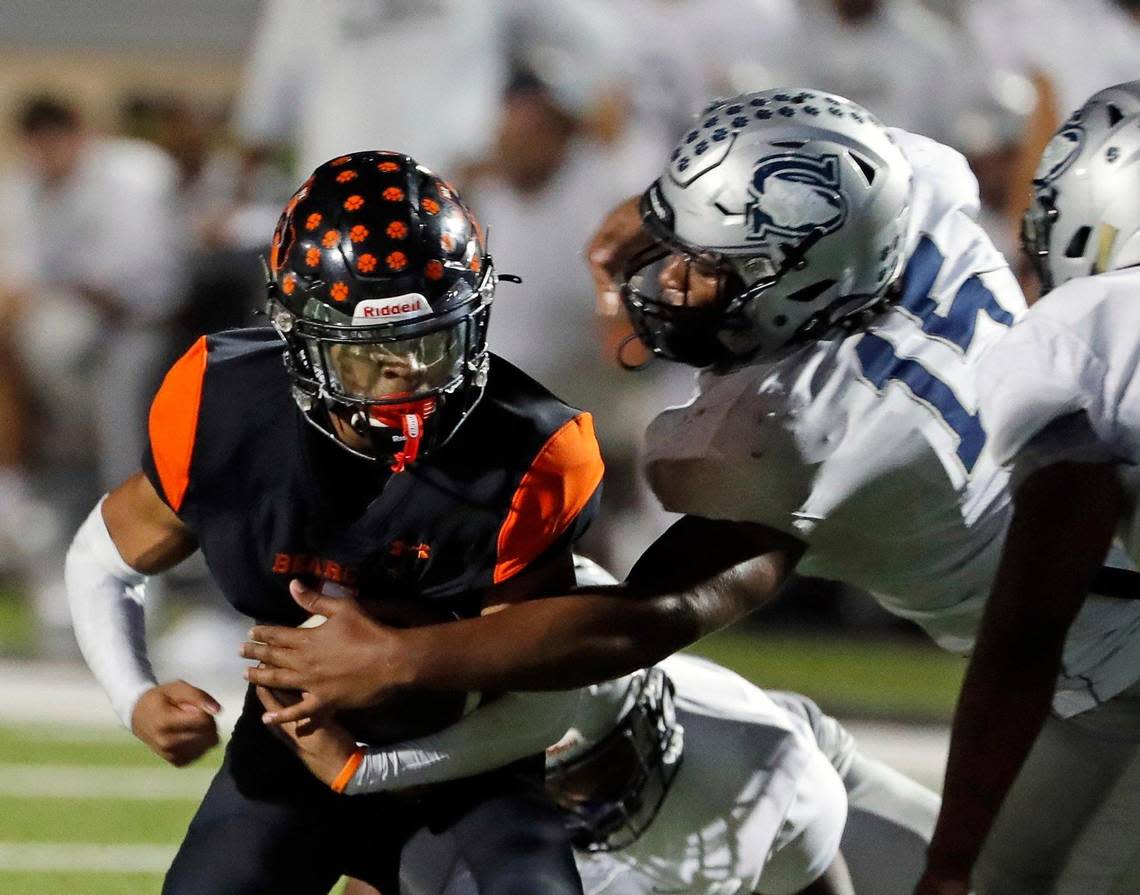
x,y
401,717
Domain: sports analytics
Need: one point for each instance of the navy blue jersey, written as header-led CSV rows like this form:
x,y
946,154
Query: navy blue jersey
x,y
270,498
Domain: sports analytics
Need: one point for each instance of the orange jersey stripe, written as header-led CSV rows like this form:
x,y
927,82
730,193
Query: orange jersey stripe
x,y
174,422
560,482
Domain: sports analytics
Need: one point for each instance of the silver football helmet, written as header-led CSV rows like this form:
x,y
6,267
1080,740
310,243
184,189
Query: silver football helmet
x,y
781,212
1084,217
610,772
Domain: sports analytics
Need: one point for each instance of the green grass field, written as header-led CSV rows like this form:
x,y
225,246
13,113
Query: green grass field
x,y
65,828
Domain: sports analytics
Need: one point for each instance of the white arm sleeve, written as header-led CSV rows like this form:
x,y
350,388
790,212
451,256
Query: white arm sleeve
x,y
106,600
512,727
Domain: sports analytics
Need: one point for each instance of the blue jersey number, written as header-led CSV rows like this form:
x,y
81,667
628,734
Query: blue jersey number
x,y
881,364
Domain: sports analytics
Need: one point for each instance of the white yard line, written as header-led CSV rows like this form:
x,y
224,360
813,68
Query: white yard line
x,y
919,751
39,857
67,695
101,782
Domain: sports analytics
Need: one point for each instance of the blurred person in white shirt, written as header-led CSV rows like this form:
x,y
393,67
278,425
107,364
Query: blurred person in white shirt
x,y
94,255
918,71
1080,45
424,75
913,67
542,184
1068,50
678,54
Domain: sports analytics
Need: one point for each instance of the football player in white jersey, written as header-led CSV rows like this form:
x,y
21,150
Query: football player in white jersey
x,y
1060,401
827,275
680,778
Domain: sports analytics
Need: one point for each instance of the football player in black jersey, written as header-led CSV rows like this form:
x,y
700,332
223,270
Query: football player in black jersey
x,y
366,447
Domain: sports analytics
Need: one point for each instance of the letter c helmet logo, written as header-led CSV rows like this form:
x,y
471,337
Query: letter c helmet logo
x,y
792,195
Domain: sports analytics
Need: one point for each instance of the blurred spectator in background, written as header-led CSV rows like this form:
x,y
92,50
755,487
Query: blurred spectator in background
x,y
94,266
914,70
910,67
226,209
679,54
424,75
542,186
1068,50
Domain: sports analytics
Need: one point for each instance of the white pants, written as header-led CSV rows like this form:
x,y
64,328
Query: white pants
x,y
890,819
1071,822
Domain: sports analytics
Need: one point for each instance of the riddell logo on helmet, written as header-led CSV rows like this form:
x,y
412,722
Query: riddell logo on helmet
x,y
384,310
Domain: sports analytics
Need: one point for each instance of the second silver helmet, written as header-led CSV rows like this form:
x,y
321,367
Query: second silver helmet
x,y
1084,217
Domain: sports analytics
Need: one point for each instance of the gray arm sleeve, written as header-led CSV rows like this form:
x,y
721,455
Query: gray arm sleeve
x,y
512,727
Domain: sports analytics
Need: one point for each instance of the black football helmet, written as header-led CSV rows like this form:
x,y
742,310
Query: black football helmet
x,y
381,288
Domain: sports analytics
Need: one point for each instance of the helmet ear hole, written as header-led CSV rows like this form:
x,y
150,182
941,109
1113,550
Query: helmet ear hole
x,y
865,167
1077,245
1115,115
812,292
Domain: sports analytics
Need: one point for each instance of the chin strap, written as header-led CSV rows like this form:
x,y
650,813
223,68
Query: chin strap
x,y
409,419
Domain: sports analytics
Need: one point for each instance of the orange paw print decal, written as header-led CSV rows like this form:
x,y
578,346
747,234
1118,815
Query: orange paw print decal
x,y
366,263
387,167
359,233
313,257
352,203
393,194
289,284
447,242
476,263
343,160
346,176
330,239
313,221
397,230
339,291
430,206
434,270
396,261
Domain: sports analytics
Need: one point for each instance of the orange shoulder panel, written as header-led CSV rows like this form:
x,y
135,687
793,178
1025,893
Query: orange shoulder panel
x,y
560,482
174,422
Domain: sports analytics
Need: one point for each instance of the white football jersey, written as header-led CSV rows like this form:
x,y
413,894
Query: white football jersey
x,y
1064,385
868,445
755,806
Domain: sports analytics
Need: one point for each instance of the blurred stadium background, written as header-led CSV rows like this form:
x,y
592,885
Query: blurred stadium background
x,y
145,151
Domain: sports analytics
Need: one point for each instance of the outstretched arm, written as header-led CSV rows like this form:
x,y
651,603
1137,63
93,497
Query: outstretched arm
x,y
699,576
1064,519
512,727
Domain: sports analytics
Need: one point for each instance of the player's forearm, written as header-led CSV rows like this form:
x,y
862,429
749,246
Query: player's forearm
x,y
697,578
554,643
512,727
1063,523
1004,704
